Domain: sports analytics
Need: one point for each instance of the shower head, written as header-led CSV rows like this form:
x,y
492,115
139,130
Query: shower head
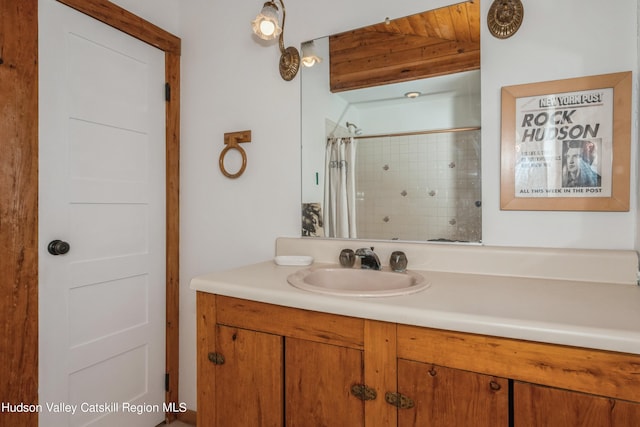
x,y
355,129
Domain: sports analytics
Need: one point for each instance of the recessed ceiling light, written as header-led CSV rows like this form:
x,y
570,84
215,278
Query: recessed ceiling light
x,y
412,94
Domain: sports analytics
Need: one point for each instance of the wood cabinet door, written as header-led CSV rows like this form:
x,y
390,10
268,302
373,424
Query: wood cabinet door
x,y
318,380
445,397
248,388
541,406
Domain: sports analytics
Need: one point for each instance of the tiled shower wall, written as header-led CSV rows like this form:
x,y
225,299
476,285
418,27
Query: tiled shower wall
x,y
398,197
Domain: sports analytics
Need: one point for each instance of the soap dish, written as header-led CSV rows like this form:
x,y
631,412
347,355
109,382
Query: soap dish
x,y
293,260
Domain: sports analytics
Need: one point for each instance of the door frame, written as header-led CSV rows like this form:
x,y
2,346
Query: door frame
x,y
125,21
19,193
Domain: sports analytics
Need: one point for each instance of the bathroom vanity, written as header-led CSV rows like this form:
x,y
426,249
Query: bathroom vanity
x,y
488,343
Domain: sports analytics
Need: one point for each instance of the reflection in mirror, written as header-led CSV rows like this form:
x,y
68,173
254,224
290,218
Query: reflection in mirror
x,y
392,161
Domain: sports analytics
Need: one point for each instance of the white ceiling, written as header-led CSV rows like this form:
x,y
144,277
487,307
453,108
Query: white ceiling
x,y
450,85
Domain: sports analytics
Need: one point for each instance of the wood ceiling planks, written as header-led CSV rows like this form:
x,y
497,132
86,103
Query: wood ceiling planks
x,y
432,43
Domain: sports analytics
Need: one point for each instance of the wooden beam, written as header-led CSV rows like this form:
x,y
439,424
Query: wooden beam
x,y
429,44
364,77
19,208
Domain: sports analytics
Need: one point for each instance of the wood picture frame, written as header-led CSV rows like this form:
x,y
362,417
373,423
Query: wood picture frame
x,y
565,144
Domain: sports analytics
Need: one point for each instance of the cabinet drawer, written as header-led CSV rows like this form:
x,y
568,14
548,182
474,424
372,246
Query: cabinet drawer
x,y
598,372
291,322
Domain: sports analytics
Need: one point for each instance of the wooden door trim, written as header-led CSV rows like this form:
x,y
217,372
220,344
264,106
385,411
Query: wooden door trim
x,y
19,208
125,21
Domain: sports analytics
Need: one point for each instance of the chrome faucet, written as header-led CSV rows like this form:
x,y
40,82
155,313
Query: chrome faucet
x,y
369,259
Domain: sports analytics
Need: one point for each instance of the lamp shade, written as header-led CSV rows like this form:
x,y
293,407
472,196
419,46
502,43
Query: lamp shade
x,y
309,55
267,25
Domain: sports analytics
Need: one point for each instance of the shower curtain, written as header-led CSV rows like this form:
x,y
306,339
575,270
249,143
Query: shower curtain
x,y
340,188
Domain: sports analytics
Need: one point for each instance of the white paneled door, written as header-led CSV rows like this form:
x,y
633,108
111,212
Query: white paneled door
x,y
102,192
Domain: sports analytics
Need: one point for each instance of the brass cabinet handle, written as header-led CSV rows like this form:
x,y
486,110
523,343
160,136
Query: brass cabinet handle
x,y
216,358
399,400
363,392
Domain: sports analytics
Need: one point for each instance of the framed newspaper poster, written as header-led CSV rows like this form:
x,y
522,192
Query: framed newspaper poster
x,y
566,144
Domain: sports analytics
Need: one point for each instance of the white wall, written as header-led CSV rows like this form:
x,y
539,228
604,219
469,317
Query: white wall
x,y
230,82
557,40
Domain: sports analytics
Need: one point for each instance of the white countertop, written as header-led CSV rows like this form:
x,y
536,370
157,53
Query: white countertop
x,y
577,313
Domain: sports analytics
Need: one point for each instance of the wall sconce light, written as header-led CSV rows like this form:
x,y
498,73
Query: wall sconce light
x,y
267,27
309,55
505,17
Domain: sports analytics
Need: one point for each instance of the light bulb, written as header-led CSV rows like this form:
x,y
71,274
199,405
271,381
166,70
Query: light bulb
x,y
266,25
310,61
267,28
309,56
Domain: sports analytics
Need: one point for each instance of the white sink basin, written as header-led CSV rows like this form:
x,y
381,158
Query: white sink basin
x,y
357,282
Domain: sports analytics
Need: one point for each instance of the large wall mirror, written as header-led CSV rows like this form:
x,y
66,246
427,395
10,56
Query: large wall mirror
x,y
391,130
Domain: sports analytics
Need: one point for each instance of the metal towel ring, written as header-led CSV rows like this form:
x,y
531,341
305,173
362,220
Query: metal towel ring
x,y
232,141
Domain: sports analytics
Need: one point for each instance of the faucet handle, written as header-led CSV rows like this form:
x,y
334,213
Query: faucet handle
x,y
347,258
398,261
